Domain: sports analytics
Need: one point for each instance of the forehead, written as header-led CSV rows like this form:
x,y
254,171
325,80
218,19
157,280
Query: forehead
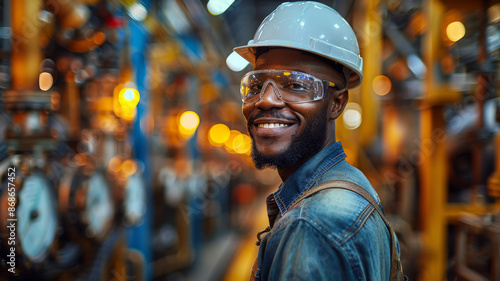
x,y
289,59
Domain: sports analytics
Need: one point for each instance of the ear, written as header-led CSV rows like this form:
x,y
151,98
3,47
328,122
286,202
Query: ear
x,y
339,101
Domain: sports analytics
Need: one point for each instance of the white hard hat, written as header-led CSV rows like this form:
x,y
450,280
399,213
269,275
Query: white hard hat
x,y
312,27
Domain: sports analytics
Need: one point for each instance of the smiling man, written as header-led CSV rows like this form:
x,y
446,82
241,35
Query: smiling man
x,y
325,219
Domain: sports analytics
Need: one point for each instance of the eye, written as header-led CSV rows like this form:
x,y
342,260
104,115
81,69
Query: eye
x,y
254,88
297,86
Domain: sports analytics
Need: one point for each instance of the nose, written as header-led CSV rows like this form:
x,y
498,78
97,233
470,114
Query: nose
x,y
270,97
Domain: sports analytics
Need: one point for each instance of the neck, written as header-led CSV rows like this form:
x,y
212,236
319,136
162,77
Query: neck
x,y
285,173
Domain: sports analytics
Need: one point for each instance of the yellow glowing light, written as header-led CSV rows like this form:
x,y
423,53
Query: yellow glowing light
x,y
229,143
188,123
129,97
455,31
242,144
189,120
381,85
219,133
128,113
45,81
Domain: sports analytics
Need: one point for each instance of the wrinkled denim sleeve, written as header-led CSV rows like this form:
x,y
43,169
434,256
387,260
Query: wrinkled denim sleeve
x,y
306,254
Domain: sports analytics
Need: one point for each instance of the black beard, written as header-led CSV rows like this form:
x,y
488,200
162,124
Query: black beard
x,y
306,144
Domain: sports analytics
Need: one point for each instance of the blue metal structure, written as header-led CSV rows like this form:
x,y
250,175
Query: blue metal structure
x,y
140,236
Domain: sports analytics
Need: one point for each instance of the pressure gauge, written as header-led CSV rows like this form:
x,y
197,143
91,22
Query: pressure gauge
x,y
135,199
86,201
28,215
36,217
99,206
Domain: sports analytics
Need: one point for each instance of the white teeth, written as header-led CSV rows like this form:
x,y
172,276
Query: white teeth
x,y
272,125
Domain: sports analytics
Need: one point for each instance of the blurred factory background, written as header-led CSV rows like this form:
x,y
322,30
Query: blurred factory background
x,y
123,122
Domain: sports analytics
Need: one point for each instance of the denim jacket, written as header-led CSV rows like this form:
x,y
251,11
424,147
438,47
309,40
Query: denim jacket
x,y
332,235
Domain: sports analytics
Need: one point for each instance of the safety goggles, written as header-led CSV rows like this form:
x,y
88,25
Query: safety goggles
x,y
289,86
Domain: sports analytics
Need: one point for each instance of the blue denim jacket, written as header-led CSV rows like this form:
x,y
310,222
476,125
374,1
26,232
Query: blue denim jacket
x,y
332,235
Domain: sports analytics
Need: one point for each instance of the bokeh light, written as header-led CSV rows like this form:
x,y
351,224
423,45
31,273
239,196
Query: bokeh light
x,y
115,164
242,144
229,143
137,12
99,38
381,85
129,167
129,97
217,7
455,31
352,116
45,81
235,62
219,134
188,123
189,120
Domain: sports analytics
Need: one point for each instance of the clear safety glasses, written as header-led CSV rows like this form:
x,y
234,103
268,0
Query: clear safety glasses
x,y
289,86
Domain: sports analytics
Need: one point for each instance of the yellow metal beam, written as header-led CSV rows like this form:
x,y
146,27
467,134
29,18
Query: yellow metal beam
x,y
433,168
372,66
367,25
26,54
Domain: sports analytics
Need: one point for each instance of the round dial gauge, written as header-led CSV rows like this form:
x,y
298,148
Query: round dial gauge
x,y
135,199
36,217
99,207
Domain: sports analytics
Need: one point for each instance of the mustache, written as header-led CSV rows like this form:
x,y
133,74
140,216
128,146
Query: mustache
x,y
270,113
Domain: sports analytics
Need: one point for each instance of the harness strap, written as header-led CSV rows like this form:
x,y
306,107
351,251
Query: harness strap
x,y
396,268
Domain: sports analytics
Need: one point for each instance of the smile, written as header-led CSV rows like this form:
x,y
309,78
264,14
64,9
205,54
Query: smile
x,y
272,125
273,129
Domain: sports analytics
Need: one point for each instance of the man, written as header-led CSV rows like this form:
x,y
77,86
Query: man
x,y
305,58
